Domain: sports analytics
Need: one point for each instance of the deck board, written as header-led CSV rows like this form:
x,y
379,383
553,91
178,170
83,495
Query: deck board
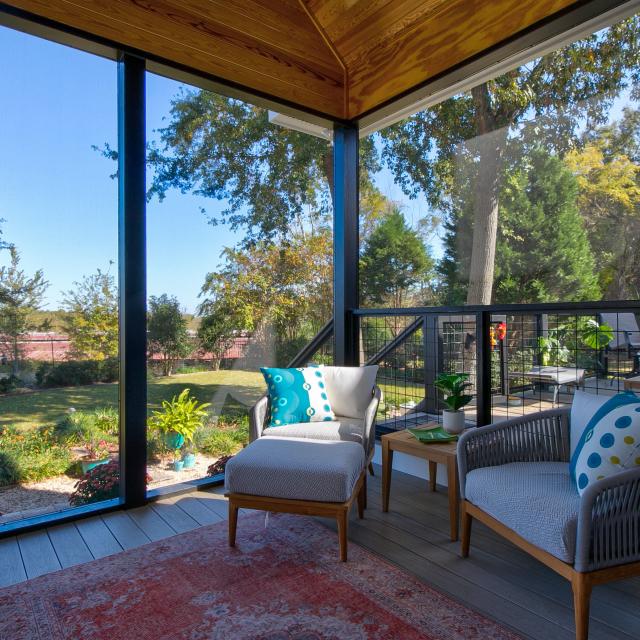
x,y
69,545
98,538
125,530
498,579
151,523
12,568
38,554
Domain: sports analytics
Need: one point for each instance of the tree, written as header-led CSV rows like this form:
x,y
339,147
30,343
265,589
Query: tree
x,y
607,170
217,331
273,179
542,248
93,321
287,288
393,263
545,102
20,296
167,331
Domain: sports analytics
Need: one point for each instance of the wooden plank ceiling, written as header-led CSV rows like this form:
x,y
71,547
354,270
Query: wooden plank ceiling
x,y
340,58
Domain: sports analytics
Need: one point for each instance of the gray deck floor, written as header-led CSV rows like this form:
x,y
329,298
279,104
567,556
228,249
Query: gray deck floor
x,y
497,579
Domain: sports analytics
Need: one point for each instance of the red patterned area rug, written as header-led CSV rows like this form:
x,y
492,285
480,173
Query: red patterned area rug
x,y
283,582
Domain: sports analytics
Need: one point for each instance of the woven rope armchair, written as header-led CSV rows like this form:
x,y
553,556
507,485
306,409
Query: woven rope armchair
x,y
514,477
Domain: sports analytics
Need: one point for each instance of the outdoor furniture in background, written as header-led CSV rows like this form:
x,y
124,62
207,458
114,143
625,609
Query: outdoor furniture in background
x,y
306,477
626,336
514,478
632,384
436,453
553,376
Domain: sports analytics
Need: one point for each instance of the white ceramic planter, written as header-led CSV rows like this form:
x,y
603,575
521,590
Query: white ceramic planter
x,y
453,421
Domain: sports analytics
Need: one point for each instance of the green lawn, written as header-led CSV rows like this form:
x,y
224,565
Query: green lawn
x,y
221,388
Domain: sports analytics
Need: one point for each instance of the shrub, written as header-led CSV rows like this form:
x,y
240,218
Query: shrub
x,y
10,383
35,455
73,373
218,443
193,368
218,466
9,470
100,483
108,420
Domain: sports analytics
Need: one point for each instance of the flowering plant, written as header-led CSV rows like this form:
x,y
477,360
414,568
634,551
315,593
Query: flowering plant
x,y
100,483
97,451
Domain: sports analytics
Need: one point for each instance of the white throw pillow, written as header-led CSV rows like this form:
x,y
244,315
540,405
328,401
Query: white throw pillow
x,y
350,389
610,443
583,409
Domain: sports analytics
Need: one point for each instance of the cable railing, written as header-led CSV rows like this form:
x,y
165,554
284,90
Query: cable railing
x,y
519,358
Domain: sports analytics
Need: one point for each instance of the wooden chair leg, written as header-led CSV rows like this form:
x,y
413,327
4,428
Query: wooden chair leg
x,y
233,523
466,532
343,519
371,469
362,498
581,586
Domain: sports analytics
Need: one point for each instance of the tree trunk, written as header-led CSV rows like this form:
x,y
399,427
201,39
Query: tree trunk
x,y
490,147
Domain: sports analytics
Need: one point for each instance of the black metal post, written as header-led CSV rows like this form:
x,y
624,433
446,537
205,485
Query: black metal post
x,y
133,278
345,244
432,360
483,360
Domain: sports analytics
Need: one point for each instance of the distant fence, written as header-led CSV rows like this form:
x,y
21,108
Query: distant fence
x,y
55,347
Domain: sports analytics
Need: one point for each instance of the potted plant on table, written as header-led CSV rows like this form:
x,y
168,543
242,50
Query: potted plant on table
x,y
453,386
178,421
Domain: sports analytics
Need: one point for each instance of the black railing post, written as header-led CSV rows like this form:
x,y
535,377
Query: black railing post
x,y
345,244
483,364
132,278
431,346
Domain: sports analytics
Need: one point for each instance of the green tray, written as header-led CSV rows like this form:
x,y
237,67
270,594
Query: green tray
x,y
437,434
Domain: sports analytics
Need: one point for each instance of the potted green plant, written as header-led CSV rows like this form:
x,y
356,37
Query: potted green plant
x,y
178,421
552,351
453,386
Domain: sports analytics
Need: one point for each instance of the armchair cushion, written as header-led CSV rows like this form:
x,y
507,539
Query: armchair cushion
x,y
350,389
297,395
344,429
610,442
537,500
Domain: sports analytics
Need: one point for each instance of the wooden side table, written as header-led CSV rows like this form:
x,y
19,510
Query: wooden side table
x,y
441,453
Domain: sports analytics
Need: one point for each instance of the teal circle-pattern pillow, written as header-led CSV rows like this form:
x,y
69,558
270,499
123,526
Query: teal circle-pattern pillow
x,y
610,443
297,395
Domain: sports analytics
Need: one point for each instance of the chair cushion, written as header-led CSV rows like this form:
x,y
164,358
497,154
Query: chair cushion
x,y
610,442
340,429
350,389
537,500
296,469
297,395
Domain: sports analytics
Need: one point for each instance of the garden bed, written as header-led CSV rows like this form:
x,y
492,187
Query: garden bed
x,y
51,495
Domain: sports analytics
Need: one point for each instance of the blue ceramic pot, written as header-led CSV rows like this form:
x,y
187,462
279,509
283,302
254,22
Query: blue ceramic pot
x,y
189,460
173,440
87,465
178,465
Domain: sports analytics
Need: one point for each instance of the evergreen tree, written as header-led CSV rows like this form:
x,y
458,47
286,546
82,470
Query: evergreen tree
x,y
542,250
394,262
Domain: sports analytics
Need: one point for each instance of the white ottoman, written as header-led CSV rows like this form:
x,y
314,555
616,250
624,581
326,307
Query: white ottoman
x,y
297,475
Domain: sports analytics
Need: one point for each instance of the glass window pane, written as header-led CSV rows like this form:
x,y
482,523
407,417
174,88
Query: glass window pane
x,y
58,277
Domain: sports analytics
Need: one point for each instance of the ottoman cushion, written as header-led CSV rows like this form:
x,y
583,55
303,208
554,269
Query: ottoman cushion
x,y
297,469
